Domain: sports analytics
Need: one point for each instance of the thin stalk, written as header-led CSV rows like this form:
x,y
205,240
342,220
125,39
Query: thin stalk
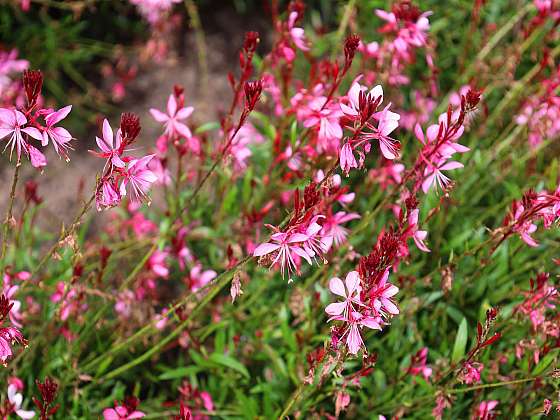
x,y
64,234
8,219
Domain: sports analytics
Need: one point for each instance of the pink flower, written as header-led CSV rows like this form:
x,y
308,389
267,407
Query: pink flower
x,y
154,10
122,412
16,400
361,109
409,33
316,243
173,125
107,196
356,321
38,159
347,159
161,319
71,302
139,177
353,107
15,316
332,226
239,147
284,247
297,34
198,279
418,364
350,293
325,118
369,50
110,146
432,134
207,401
342,402
383,295
59,292
159,168
125,301
442,402
388,122
547,406
59,136
157,263
11,123
524,227
418,235
470,374
347,310
8,335
484,411
388,174
433,174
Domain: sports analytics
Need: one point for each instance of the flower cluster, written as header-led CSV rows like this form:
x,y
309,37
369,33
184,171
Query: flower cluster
x,y
541,113
361,109
439,144
194,401
124,411
19,126
356,314
406,31
122,174
9,335
292,36
368,295
311,230
539,309
523,215
11,67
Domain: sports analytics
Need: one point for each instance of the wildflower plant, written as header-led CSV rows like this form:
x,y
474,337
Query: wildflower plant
x,y
370,228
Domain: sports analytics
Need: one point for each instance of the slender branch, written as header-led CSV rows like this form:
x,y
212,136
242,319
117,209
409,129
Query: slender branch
x,y
64,234
8,219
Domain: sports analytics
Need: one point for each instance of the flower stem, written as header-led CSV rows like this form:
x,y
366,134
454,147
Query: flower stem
x,y
65,233
8,219
293,399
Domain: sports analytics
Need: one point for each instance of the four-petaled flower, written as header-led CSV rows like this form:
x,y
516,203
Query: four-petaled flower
x,y
110,146
172,120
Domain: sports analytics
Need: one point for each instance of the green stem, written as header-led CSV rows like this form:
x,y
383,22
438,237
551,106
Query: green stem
x,y
8,219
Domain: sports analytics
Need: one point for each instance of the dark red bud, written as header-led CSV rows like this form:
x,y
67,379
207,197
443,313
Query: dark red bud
x,y
253,92
350,46
32,83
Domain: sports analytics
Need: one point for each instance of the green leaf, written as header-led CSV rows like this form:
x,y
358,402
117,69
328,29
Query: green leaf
x,y
180,372
229,362
293,134
103,366
460,342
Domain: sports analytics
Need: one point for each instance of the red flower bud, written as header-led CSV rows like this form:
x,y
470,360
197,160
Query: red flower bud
x,y
32,83
253,92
